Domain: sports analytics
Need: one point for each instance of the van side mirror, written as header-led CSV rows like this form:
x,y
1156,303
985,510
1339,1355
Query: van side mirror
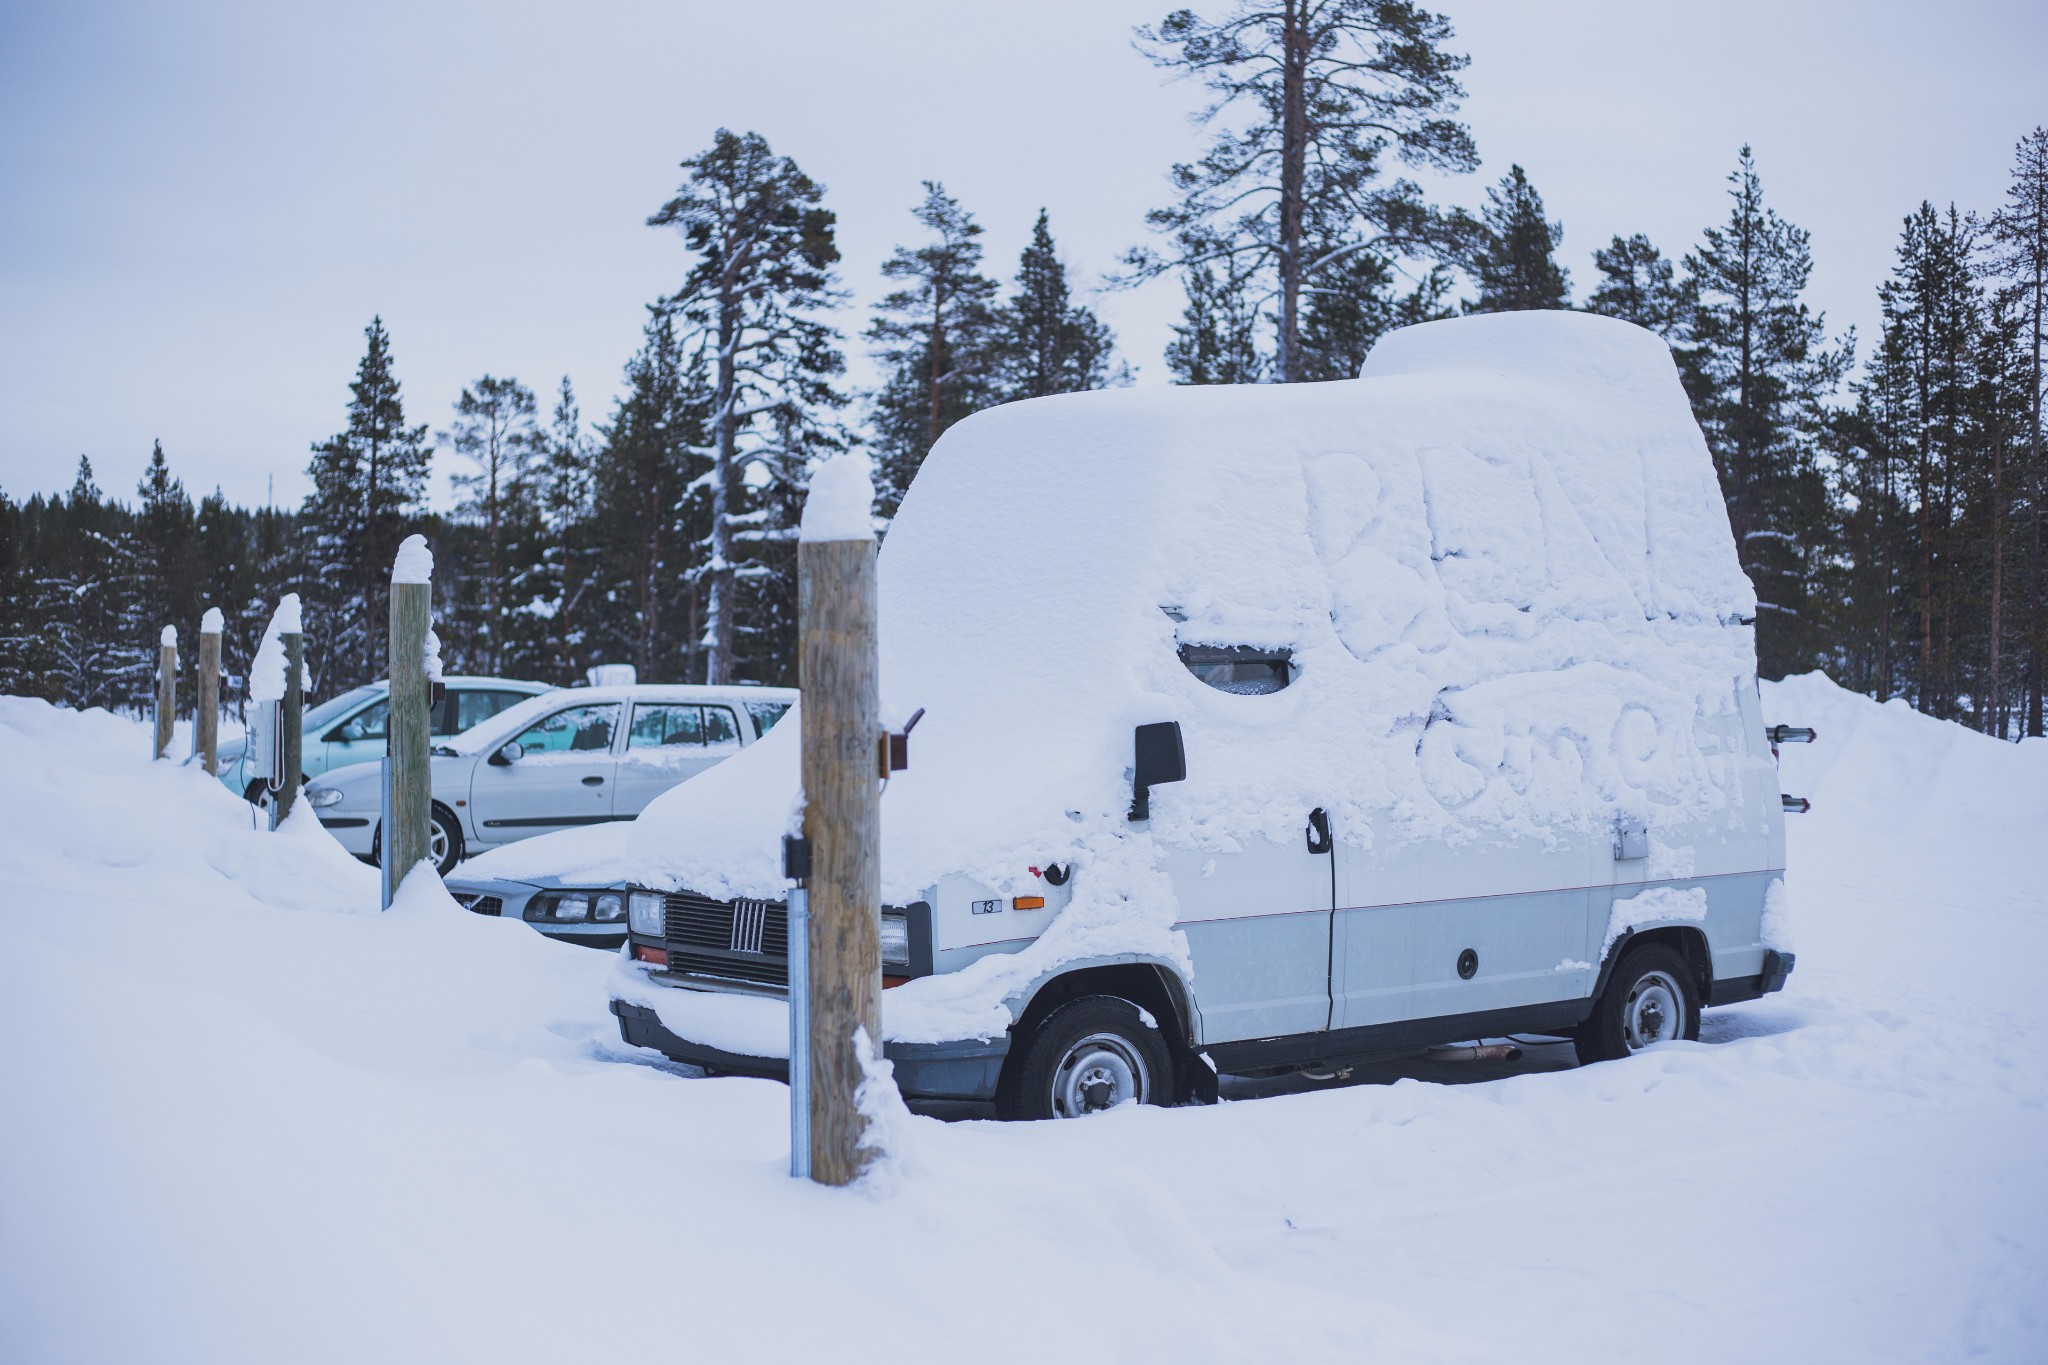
x,y
511,751
1159,757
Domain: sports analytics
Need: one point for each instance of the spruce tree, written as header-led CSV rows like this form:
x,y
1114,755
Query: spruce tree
x,y
1759,369
494,431
1359,302
164,528
369,481
2019,259
1047,343
572,549
1515,266
932,338
1331,91
1637,285
1216,340
754,306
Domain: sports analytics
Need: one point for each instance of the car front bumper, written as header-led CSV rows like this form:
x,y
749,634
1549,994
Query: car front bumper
x,y
965,1070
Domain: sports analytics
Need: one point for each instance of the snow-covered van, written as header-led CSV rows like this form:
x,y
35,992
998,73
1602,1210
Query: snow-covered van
x,y
1272,728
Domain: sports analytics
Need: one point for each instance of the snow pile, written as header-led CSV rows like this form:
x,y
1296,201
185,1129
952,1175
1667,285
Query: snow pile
x,y
414,562
1499,562
211,623
169,639
840,502
593,855
267,669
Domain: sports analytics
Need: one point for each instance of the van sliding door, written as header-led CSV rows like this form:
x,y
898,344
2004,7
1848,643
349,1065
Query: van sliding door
x,y
1258,927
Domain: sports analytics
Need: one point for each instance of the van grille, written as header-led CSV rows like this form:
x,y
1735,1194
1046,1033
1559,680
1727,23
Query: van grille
x,y
746,940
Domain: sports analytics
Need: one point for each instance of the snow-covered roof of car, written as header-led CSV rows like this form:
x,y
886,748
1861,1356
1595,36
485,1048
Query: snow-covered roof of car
x,y
1499,561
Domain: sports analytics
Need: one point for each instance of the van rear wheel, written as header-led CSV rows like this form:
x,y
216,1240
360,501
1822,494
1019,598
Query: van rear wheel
x,y
1651,998
1088,1055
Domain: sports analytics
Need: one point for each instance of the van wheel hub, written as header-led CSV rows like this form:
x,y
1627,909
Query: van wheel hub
x,y
1655,1012
1098,1072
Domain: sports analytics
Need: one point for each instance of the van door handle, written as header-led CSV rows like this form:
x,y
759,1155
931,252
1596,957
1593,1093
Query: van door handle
x,y
1318,830
593,782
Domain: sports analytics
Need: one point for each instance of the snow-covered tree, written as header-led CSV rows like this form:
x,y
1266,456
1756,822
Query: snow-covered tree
x,y
163,533
754,307
494,432
1311,100
2019,259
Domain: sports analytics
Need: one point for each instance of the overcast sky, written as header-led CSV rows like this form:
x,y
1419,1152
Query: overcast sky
x,y
202,204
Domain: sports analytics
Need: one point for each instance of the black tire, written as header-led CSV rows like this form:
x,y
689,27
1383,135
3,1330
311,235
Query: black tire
x,y
1089,1054
445,827
1635,1010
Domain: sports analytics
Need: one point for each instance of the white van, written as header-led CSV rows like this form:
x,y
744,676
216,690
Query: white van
x,y
1276,727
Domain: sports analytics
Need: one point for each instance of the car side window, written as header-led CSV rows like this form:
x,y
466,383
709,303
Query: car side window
x,y
660,727
366,724
720,728
766,713
580,729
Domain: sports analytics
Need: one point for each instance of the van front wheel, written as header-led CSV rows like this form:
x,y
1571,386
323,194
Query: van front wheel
x,y
1651,998
1088,1055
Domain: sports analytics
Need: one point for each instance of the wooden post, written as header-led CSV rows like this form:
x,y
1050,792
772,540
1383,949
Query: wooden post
x,y
291,722
206,710
842,822
166,690
406,832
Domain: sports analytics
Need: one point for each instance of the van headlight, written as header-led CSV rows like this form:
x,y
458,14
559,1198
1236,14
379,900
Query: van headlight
x,y
320,798
644,913
895,938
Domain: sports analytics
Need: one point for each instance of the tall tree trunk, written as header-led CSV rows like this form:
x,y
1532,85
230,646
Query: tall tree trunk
x,y
1293,182
1996,690
725,490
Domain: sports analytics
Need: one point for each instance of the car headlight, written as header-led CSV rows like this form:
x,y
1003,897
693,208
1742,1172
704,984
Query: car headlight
x,y
895,939
609,908
644,913
320,798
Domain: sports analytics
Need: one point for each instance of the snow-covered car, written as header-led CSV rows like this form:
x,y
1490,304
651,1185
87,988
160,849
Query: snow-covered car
x,y
1275,727
570,885
349,728
570,757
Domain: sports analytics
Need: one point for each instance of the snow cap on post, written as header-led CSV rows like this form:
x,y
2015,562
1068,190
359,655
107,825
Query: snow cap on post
x,y
211,623
266,670
170,637
838,506
414,562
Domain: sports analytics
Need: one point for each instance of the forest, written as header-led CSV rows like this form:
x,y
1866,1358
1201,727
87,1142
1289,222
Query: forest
x,y
1885,493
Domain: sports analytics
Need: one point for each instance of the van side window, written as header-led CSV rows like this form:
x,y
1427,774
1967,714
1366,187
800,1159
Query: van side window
x,y
1241,669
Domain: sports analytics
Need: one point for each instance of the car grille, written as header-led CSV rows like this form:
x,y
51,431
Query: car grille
x,y
480,903
742,940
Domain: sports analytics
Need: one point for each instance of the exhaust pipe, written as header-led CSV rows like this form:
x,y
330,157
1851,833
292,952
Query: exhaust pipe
x,y
1474,1052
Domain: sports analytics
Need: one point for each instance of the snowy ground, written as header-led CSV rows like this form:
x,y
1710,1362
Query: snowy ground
x,y
247,1118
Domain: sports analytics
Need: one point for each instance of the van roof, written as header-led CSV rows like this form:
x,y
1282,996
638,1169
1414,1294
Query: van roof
x,y
1499,561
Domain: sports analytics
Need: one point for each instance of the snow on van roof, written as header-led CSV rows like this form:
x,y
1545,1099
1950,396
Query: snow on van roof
x,y
1499,561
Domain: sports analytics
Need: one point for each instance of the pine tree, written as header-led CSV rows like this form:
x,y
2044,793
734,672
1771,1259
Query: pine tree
x,y
1637,285
163,534
2019,258
494,430
1332,91
369,480
1759,369
1514,264
1357,305
571,557
88,603
1047,343
753,306
932,338
1216,340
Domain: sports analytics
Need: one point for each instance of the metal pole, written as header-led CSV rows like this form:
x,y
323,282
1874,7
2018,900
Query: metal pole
x,y
799,1033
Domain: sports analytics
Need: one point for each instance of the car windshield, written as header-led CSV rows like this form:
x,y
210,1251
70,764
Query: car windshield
x,y
336,707
507,723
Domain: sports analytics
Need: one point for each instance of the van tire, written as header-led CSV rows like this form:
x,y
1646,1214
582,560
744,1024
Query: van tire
x,y
1091,1053
1650,983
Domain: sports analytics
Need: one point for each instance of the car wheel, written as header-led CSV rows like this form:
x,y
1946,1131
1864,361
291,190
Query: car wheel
x,y
444,841
1088,1055
1651,998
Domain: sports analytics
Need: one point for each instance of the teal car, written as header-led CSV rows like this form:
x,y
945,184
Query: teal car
x,y
350,728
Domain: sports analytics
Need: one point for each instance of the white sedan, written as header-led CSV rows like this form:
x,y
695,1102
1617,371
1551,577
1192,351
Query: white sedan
x,y
572,757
